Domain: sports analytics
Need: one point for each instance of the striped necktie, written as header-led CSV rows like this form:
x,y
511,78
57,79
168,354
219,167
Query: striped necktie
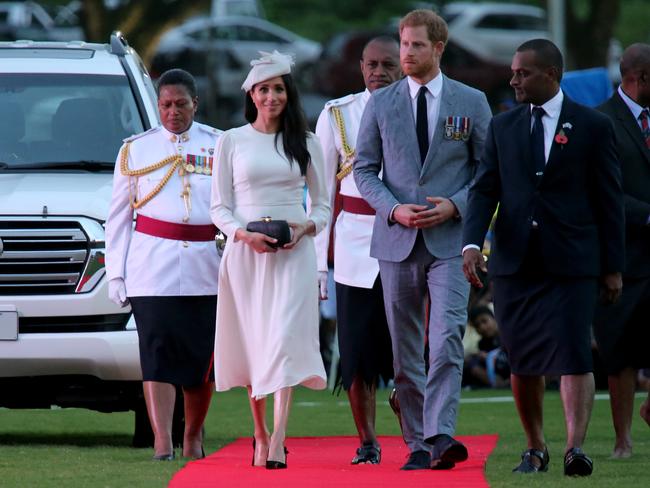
x,y
645,127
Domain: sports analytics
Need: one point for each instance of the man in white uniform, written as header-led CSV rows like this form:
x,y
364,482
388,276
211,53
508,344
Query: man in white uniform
x,y
364,340
167,266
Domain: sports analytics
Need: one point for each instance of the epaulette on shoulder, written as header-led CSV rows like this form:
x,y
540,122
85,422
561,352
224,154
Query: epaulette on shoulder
x,y
142,134
210,130
338,102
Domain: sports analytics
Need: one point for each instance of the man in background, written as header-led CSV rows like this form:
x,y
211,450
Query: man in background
x,y
622,330
364,340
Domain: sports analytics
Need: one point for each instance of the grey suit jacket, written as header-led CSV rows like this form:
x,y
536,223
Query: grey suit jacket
x,y
387,140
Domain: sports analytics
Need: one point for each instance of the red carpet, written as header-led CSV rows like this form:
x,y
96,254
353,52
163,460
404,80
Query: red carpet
x,y
325,462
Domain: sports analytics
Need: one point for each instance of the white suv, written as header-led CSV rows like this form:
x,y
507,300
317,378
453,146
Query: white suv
x,y
65,109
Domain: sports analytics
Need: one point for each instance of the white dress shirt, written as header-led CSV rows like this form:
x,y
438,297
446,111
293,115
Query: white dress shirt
x,y
552,109
634,107
434,87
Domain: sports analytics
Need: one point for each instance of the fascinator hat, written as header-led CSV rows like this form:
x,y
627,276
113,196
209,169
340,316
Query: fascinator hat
x,y
269,65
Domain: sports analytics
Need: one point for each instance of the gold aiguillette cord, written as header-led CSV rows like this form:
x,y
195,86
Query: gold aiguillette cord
x,y
176,162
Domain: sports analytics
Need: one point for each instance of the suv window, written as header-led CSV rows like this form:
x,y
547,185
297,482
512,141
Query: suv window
x,y
250,33
200,34
449,18
511,22
224,33
62,118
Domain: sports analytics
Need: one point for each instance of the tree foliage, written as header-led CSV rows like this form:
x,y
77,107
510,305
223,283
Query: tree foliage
x,y
588,36
141,21
590,23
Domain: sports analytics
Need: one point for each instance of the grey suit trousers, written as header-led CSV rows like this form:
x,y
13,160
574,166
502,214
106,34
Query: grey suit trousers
x,y
428,402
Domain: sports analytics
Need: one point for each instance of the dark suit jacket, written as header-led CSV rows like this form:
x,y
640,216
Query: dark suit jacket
x,y
578,203
635,166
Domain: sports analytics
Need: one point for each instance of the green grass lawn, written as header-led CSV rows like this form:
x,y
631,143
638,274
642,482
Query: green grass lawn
x,y
79,448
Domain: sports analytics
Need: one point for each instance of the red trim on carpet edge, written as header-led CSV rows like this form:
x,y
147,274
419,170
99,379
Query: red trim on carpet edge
x,y
325,462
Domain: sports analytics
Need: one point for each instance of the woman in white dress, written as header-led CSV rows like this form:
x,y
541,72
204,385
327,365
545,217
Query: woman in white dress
x,y
267,314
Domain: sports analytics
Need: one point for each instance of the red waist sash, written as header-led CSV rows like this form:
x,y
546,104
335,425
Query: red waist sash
x,y
172,230
357,206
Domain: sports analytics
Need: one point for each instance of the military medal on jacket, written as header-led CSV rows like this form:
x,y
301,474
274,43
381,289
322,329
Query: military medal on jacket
x,y
457,128
199,164
192,163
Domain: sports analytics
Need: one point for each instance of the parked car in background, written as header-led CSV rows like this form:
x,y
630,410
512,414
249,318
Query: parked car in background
x,y
218,50
494,30
237,7
66,108
28,20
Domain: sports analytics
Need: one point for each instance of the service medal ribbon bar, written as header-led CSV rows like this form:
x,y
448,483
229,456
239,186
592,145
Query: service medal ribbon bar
x,y
457,128
201,165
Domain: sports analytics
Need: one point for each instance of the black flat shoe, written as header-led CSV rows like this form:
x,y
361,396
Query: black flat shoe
x,y
528,466
163,457
577,463
367,454
278,464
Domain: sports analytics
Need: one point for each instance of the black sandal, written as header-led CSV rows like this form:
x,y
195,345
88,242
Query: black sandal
x,y
528,466
577,463
367,454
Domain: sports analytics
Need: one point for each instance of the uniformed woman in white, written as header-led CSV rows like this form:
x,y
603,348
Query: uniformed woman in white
x,y
166,266
363,336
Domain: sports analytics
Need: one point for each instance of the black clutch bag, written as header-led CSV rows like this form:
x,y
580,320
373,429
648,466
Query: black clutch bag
x,y
278,229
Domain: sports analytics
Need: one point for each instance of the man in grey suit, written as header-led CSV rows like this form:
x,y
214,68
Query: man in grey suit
x,y
426,134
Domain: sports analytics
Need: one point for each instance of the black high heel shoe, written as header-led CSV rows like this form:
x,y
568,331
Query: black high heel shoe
x,y
278,464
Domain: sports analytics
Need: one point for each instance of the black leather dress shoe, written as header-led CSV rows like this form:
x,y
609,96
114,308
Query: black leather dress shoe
x,y
527,465
577,463
440,465
367,454
447,449
417,460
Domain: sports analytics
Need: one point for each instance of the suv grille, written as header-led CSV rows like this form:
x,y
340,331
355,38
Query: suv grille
x,y
77,323
41,256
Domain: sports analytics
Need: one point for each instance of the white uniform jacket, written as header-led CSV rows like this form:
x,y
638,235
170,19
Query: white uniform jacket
x,y
353,265
154,266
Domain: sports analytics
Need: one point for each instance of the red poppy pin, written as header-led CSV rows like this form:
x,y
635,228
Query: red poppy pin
x,y
561,137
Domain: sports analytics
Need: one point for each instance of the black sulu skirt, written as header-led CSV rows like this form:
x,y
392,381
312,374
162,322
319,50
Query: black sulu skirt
x,y
545,320
176,338
364,339
545,323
